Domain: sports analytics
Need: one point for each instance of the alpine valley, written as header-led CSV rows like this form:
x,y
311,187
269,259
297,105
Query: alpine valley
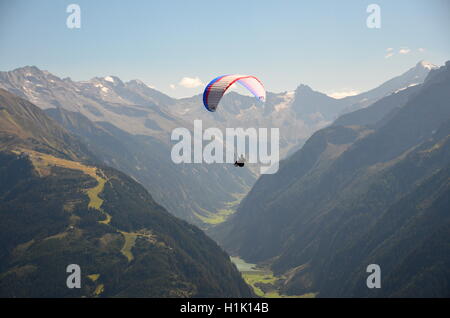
x,y
86,178
61,205
371,188
128,127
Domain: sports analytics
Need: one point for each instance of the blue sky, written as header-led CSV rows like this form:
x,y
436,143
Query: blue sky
x,y
324,44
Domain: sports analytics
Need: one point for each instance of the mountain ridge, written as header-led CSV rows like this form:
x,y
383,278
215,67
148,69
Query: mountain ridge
x,y
331,197
61,207
135,117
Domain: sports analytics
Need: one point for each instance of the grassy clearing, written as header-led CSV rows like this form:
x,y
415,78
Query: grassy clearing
x,y
93,277
43,163
130,240
266,285
99,290
95,202
223,214
214,218
107,219
254,278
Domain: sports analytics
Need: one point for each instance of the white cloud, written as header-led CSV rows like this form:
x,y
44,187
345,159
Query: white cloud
x,y
345,93
190,82
404,50
389,52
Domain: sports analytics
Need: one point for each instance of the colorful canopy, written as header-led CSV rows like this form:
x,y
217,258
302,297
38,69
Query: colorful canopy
x,y
218,86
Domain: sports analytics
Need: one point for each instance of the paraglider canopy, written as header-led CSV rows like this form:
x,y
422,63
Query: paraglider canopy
x,y
217,87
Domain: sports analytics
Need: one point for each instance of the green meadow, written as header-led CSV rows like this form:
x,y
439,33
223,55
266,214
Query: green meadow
x,y
262,280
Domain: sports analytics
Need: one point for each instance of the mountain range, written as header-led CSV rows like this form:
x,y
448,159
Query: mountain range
x,y
61,205
86,178
127,126
372,188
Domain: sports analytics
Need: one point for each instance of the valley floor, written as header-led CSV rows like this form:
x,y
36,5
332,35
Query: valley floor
x,y
262,280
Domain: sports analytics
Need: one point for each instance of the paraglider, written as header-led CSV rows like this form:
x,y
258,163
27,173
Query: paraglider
x,y
240,162
215,90
217,87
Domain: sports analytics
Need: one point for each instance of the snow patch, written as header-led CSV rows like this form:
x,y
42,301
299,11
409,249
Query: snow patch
x,y
402,89
343,94
102,88
428,65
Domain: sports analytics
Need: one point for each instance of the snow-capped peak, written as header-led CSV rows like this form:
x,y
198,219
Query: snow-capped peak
x,y
427,65
113,80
